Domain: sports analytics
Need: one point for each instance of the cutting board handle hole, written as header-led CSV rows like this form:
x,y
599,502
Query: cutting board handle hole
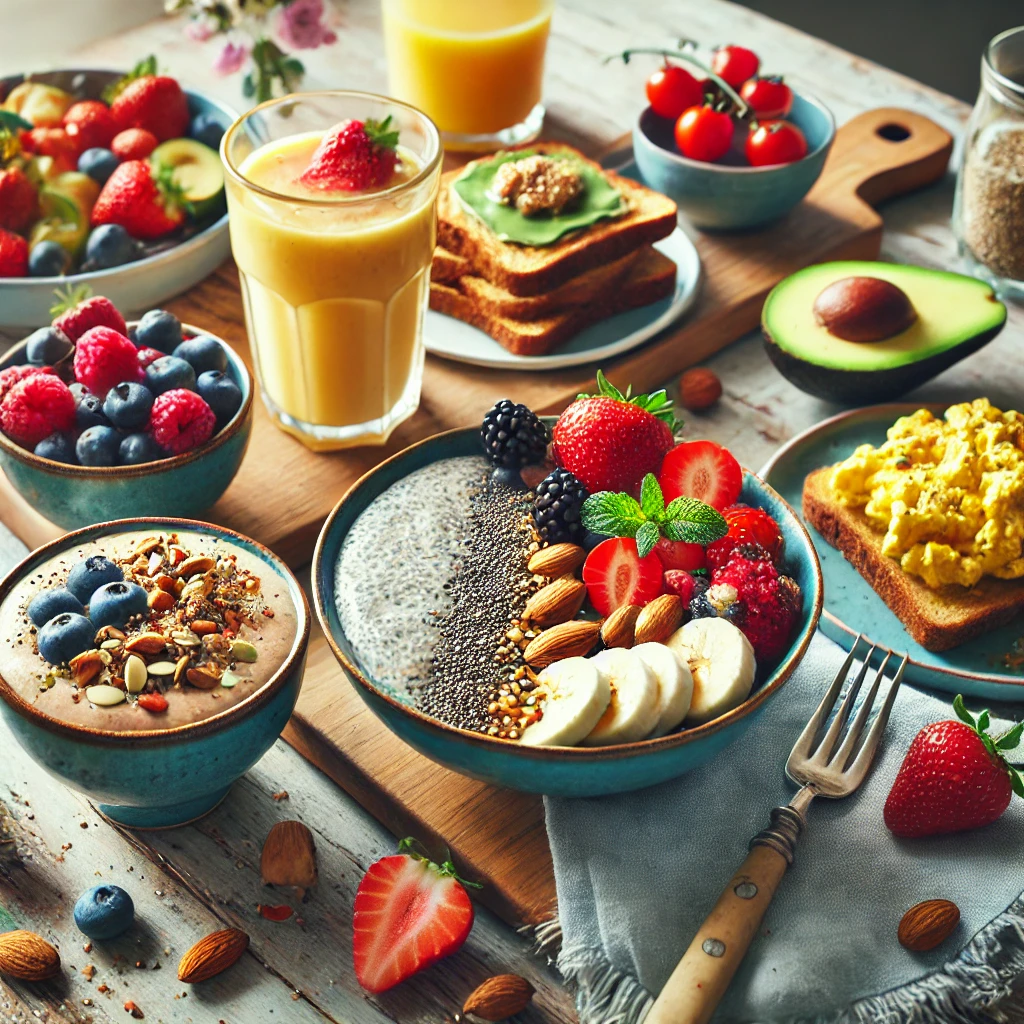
x,y
892,132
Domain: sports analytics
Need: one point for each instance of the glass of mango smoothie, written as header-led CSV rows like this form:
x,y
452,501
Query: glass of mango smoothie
x,y
475,66
331,201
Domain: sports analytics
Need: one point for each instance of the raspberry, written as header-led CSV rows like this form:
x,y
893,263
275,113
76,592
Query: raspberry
x,y
681,583
180,421
147,356
37,406
13,374
105,358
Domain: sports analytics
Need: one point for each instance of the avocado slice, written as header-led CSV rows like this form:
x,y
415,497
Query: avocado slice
x,y
197,170
955,316
62,221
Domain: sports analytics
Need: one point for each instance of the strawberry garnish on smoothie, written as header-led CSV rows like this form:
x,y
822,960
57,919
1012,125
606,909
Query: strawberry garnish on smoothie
x,y
354,156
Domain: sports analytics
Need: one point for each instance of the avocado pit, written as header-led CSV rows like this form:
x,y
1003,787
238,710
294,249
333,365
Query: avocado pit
x,y
864,309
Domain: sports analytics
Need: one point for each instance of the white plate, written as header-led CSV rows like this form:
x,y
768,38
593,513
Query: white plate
x,y
445,336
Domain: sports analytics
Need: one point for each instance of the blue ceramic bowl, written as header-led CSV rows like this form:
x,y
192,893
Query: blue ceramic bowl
x,y
563,771
731,194
141,779
25,301
181,485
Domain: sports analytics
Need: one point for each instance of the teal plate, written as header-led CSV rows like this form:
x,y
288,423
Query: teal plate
x,y
975,669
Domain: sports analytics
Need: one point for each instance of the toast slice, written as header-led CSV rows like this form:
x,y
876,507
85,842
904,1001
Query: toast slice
x,y
447,268
937,619
535,270
651,277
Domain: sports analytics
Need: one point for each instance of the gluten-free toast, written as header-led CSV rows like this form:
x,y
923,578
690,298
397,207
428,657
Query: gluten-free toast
x,y
937,619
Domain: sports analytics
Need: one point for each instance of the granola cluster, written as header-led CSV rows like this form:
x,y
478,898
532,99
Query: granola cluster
x,y
537,184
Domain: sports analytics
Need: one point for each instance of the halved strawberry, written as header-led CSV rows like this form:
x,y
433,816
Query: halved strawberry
x,y
746,526
703,470
615,575
409,913
677,554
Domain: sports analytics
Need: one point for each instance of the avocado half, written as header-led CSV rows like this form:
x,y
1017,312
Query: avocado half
x,y
956,315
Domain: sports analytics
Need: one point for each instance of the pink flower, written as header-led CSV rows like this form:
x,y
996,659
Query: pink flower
x,y
300,25
200,29
231,58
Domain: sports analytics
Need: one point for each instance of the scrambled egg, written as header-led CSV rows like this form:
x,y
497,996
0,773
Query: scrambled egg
x,y
949,493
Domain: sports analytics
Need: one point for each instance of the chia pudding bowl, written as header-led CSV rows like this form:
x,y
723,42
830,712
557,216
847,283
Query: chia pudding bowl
x,y
421,574
150,662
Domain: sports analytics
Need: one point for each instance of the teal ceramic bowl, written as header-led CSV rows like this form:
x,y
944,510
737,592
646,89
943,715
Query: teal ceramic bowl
x,y
731,194
135,287
161,778
562,771
181,485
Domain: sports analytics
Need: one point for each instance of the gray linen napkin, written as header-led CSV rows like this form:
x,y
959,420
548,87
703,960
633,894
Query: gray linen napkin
x,y
637,873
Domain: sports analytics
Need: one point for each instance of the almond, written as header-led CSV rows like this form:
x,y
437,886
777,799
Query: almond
x,y
557,560
165,582
566,640
27,956
555,603
201,627
146,643
212,954
289,856
699,389
85,667
206,677
619,629
195,565
160,601
658,620
499,997
147,545
926,925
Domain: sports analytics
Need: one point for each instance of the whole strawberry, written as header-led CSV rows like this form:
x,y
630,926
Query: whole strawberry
x,y
353,156
954,778
153,102
141,198
18,199
13,255
53,142
611,441
77,310
90,123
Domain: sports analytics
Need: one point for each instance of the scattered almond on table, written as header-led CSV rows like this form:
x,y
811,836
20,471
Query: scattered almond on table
x,y
212,954
27,956
927,925
499,997
699,389
289,857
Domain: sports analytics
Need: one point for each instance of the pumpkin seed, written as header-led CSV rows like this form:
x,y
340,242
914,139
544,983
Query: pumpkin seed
x,y
104,696
135,674
47,682
162,668
230,679
242,650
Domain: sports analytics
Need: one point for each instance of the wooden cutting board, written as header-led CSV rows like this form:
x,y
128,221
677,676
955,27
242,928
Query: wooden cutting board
x,y
283,492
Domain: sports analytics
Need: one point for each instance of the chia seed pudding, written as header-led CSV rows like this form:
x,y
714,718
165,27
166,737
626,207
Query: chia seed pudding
x,y
430,583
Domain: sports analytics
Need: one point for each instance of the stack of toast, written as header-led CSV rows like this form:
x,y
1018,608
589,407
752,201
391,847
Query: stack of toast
x,y
531,299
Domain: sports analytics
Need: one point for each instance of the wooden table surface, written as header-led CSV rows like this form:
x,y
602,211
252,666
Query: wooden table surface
x,y
192,880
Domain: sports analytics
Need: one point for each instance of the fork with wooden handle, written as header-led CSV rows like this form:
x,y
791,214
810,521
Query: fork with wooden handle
x,y
822,767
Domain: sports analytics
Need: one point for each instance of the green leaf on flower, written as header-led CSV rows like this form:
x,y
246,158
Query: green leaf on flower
x,y
646,537
652,501
618,515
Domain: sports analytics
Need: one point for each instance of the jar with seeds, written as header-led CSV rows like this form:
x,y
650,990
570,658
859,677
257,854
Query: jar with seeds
x,y
989,211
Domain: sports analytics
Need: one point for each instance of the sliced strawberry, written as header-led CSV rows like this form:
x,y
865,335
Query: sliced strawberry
x,y
746,526
702,470
409,913
677,554
615,575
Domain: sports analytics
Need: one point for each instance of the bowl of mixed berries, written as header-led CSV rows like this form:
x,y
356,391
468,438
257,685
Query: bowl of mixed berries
x,y
111,179
101,419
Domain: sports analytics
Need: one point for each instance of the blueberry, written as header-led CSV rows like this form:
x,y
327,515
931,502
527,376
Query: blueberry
x,y
48,259
203,353
88,575
58,448
114,604
220,393
48,604
47,346
207,129
79,391
127,405
97,446
169,372
89,412
64,636
98,163
110,245
139,448
158,329
104,912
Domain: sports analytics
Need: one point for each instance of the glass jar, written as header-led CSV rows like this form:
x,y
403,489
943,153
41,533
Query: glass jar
x,y
989,211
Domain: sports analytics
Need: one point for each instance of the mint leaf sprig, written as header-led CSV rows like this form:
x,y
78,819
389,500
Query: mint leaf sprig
x,y
649,519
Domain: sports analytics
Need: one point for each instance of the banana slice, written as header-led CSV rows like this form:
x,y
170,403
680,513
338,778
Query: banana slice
x,y
633,711
721,662
675,684
577,693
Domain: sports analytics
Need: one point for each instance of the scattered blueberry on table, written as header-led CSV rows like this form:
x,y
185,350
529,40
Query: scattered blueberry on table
x,y
104,912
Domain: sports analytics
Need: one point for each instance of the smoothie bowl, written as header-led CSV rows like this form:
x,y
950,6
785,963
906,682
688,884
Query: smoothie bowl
x,y
150,662
574,619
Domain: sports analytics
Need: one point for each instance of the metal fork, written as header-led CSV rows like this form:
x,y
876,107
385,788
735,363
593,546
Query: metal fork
x,y
832,765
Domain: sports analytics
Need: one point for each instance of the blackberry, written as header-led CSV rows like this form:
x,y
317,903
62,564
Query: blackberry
x,y
513,436
556,510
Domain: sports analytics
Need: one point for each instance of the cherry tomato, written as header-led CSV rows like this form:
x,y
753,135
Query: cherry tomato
x,y
767,97
703,133
671,90
735,64
775,142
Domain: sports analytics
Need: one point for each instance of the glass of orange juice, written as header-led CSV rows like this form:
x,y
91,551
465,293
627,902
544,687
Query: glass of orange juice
x,y
334,280
475,66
